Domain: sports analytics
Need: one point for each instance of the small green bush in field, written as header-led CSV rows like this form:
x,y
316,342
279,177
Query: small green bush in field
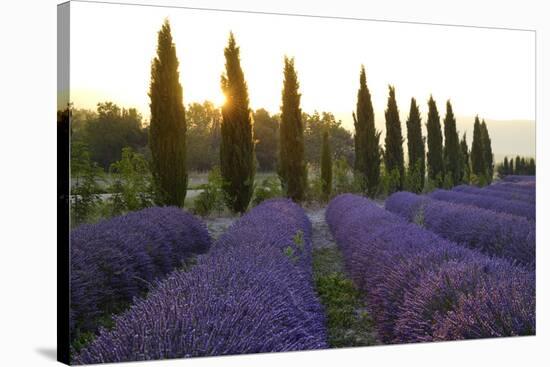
x,y
268,189
132,189
212,196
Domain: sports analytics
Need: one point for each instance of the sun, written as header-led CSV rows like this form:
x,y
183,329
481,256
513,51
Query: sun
x,y
220,100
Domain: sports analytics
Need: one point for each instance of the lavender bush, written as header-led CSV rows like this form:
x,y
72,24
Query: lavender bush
x,y
252,293
501,194
519,178
421,287
117,259
517,188
498,234
513,207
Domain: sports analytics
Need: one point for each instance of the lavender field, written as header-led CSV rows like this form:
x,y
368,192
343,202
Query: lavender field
x,y
252,187
153,284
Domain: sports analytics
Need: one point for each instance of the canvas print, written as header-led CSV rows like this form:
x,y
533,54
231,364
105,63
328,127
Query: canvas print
x,y
234,182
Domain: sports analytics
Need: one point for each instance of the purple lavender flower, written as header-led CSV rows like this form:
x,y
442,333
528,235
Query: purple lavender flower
x,y
420,286
496,234
252,293
487,202
118,259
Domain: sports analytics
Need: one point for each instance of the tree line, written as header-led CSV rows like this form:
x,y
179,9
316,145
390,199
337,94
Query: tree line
x,y
241,140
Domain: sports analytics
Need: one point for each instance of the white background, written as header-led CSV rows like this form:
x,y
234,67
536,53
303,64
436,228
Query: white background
x,y
28,183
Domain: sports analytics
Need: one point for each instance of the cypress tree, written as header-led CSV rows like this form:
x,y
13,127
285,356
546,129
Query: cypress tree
x,y
506,166
292,167
487,152
435,145
523,166
393,157
532,167
326,166
367,140
518,170
167,128
415,145
237,162
512,169
466,169
451,151
478,155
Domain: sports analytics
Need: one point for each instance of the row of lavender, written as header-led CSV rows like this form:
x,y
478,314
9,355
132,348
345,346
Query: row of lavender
x,y
252,293
422,287
486,201
494,233
116,260
500,191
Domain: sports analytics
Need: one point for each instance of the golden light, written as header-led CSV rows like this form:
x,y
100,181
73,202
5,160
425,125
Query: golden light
x,y
220,100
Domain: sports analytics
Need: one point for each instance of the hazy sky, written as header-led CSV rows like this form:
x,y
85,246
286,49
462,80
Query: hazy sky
x,y
483,71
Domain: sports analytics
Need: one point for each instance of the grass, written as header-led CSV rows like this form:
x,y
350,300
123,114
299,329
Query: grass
x,y
348,322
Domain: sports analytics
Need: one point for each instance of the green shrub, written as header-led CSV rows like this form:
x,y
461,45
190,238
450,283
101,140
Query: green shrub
x,y
268,189
132,189
84,184
212,197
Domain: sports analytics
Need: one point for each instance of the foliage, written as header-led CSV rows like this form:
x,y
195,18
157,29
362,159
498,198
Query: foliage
x,y
414,180
132,187
116,260
211,197
496,234
452,155
524,166
465,160
487,152
421,287
341,140
417,152
435,161
479,167
108,130
269,188
393,152
167,128
84,186
326,168
390,181
203,136
292,166
266,135
513,207
247,297
343,180
367,141
237,161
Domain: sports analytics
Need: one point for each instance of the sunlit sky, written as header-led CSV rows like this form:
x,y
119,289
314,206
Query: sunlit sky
x,y
483,71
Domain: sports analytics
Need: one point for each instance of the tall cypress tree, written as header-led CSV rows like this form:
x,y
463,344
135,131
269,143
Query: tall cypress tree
x,y
435,145
511,168
367,140
451,151
478,155
465,161
506,166
487,152
518,169
393,157
292,167
236,148
415,145
326,166
167,128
